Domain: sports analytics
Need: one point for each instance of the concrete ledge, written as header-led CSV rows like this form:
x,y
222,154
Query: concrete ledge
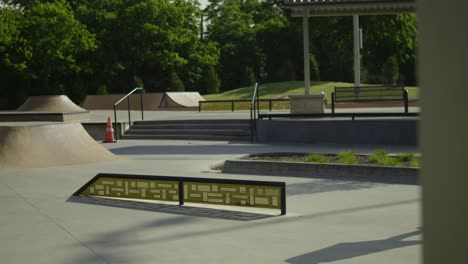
x,y
397,131
398,175
97,130
306,104
16,116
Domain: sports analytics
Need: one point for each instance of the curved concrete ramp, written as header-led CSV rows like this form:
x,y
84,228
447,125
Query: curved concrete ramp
x,y
182,99
151,101
48,146
51,104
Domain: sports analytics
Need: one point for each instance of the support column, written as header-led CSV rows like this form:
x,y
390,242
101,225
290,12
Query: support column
x,y
305,30
357,59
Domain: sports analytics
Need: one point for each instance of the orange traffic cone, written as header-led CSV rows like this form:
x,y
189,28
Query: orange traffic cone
x,y
109,135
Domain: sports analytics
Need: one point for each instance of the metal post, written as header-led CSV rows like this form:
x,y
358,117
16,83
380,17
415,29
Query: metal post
x,y
128,104
141,101
405,97
305,29
283,199
333,102
181,192
232,106
356,45
115,123
269,104
258,101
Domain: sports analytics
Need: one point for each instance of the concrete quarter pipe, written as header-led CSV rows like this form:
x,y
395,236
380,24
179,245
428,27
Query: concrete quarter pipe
x,y
48,146
182,99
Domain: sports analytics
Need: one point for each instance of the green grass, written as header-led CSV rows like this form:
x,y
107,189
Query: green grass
x,y
347,157
290,159
279,89
317,158
379,157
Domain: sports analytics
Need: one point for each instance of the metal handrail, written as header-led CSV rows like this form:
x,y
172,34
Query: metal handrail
x,y
128,106
253,106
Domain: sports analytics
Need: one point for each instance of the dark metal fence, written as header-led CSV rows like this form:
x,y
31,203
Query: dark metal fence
x,y
370,94
233,105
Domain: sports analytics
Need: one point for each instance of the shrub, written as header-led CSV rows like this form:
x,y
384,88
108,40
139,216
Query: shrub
x,y
317,158
380,157
347,157
409,158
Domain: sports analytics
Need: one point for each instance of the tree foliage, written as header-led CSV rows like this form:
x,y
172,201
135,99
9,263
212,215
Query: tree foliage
x,y
81,47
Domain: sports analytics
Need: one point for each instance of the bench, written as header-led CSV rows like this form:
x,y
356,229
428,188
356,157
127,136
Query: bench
x,y
370,94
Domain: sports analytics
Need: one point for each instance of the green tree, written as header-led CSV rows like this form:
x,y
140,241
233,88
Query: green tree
x,y
386,36
390,71
233,28
247,77
176,84
211,82
56,41
151,38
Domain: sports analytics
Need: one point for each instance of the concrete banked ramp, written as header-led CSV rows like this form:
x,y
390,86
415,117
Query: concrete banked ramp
x,y
48,146
51,104
151,101
182,99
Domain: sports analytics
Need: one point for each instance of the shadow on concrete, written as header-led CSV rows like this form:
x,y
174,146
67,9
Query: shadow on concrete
x,y
171,208
187,149
325,185
344,251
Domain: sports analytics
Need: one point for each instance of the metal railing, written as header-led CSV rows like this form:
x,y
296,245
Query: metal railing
x,y
242,102
254,111
128,107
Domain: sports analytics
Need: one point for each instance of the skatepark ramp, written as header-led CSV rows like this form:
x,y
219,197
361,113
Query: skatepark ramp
x,y
50,104
49,145
151,101
50,108
181,99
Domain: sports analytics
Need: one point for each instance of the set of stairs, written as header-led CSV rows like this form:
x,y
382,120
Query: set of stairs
x,y
226,130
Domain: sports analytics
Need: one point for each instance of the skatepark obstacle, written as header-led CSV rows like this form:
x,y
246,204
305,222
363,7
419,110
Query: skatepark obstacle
x,y
223,192
49,145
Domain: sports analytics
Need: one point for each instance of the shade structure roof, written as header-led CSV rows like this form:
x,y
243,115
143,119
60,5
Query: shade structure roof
x,y
347,7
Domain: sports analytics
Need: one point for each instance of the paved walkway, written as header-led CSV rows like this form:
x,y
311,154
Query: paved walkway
x,y
327,222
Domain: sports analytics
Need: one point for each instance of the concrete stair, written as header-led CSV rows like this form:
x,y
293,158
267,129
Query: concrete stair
x,y
225,130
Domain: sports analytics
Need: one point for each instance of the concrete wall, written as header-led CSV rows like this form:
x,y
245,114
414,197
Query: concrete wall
x,y
383,132
98,130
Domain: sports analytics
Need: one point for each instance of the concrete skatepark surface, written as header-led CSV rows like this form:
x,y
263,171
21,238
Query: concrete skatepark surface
x,y
327,221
